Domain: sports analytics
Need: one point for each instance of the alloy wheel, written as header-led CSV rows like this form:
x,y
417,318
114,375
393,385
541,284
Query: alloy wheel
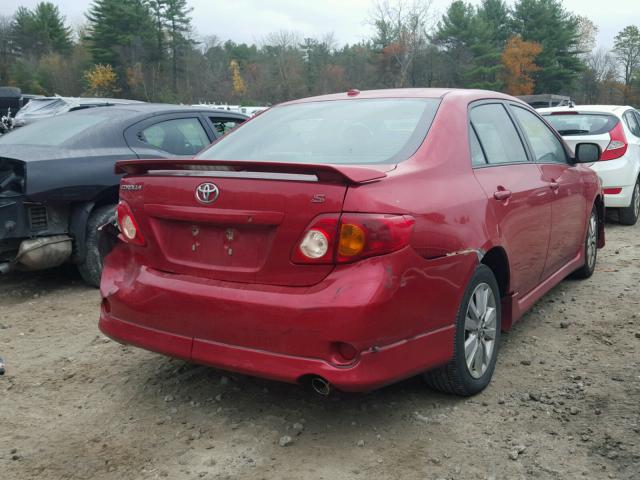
x,y
480,330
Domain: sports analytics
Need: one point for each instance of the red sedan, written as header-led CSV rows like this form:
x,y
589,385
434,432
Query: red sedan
x,y
353,240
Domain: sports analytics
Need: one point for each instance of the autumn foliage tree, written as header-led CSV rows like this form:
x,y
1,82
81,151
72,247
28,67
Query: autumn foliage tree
x,y
518,60
101,81
239,87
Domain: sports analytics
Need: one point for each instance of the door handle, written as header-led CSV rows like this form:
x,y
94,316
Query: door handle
x,y
502,194
554,186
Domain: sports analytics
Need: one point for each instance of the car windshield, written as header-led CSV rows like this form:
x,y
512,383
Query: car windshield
x,y
335,132
52,132
570,123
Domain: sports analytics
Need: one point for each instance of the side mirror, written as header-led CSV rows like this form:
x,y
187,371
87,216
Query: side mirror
x,y
587,153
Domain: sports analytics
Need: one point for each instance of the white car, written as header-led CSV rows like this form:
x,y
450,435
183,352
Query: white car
x,y
617,130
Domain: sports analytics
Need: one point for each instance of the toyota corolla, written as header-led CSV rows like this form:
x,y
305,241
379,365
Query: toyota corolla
x,y
353,240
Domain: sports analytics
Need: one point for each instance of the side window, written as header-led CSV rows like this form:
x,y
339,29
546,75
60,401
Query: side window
x,y
546,146
632,123
497,134
182,136
222,126
637,115
477,155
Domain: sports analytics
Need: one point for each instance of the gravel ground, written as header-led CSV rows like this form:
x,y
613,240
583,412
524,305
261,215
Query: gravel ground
x,y
564,402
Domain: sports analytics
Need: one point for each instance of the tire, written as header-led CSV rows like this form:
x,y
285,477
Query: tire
x,y
629,215
590,247
459,376
91,268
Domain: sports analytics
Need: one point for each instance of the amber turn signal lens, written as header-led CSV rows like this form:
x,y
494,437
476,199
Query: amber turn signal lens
x,y
352,240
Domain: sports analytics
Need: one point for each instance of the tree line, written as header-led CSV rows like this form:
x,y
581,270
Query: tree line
x,y
148,50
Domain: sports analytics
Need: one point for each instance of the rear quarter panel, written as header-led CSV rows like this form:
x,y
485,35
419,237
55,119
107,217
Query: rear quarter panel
x,y
453,223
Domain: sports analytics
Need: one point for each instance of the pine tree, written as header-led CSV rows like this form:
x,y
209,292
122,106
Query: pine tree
x,y
177,22
122,33
548,23
457,34
41,31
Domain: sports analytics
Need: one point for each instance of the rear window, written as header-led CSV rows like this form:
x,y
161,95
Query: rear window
x,y
52,132
335,132
568,124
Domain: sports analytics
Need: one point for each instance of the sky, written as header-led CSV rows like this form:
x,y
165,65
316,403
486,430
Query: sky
x,y
250,21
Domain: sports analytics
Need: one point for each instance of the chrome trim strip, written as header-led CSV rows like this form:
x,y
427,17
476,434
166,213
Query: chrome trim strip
x,y
292,177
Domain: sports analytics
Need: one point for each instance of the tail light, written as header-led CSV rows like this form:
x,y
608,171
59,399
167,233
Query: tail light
x,y
617,146
129,229
351,237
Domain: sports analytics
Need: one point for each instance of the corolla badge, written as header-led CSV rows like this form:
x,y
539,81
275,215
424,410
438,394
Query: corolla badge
x,y
207,192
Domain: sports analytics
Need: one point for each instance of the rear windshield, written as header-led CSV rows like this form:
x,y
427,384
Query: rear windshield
x,y
52,132
581,123
335,132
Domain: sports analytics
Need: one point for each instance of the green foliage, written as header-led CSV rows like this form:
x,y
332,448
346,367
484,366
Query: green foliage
x,y
41,31
148,44
549,24
121,33
473,39
627,50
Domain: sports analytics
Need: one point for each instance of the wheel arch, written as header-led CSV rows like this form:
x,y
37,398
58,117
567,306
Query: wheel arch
x,y
497,260
80,213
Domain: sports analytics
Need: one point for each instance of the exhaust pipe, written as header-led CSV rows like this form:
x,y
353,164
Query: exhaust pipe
x,y
321,386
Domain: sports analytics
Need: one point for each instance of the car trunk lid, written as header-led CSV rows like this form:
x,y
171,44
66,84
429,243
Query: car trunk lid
x,y
243,223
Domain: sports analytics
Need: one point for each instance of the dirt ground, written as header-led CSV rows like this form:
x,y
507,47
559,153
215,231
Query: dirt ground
x,y
564,402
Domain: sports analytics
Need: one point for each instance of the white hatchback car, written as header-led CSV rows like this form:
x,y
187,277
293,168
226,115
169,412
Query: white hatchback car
x,y
617,130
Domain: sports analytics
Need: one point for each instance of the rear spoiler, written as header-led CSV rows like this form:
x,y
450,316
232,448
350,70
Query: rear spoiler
x,y
352,174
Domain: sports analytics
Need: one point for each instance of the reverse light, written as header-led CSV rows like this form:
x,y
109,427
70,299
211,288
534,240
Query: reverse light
x,y
350,237
318,241
315,244
617,146
129,229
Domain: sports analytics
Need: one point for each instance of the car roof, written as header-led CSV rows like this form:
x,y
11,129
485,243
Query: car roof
x,y
459,93
134,110
615,109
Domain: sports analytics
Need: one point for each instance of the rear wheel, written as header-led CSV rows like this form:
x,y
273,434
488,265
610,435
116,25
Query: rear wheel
x,y
477,339
590,247
91,268
629,215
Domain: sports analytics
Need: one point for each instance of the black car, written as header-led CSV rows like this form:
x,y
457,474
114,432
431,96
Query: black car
x,y
57,180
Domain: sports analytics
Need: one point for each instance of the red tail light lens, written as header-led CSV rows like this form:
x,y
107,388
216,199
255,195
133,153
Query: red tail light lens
x,y
129,229
352,237
617,146
365,235
612,191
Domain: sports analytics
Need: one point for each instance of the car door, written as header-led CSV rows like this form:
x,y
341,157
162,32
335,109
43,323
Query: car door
x,y
172,135
519,198
569,206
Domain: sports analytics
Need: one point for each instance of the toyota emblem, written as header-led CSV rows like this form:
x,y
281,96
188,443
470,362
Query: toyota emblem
x,y
207,192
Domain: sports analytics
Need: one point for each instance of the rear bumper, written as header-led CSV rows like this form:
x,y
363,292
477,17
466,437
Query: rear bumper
x,y
619,173
397,311
374,369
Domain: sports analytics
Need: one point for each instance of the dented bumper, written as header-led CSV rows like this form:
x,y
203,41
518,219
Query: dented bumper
x,y
397,311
